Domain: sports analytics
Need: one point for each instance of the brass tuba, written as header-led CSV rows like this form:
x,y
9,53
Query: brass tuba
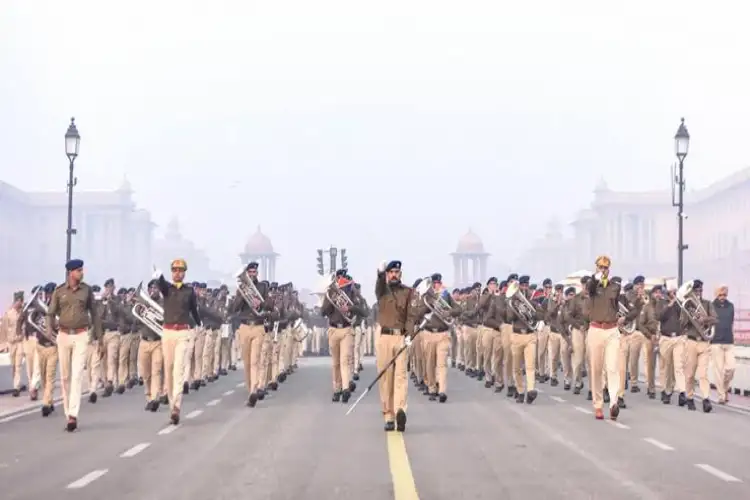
x,y
36,320
693,308
435,302
148,311
247,289
622,312
339,299
522,307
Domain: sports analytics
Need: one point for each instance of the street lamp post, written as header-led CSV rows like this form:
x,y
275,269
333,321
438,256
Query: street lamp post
x,y
681,144
72,143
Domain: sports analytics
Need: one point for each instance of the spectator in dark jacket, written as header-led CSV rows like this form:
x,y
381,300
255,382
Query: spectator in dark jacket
x,y
722,345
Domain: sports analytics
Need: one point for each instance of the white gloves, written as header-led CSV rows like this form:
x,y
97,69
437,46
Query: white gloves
x,y
381,267
598,276
156,274
407,341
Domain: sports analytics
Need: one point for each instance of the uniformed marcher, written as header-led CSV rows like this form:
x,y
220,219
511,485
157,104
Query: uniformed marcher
x,y
151,358
697,348
47,352
396,319
180,309
73,308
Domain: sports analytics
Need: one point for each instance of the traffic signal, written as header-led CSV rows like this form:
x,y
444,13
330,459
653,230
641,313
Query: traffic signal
x,y
344,260
321,268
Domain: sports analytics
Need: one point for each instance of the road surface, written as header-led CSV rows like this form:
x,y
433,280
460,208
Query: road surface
x,y
299,445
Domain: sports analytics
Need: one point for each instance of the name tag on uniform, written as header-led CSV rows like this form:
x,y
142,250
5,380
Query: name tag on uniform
x,y
225,331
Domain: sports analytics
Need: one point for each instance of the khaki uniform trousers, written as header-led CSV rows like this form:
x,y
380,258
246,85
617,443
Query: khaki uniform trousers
x,y
492,342
542,346
506,334
393,384
209,353
437,347
637,340
559,352
579,357
672,363
125,370
650,352
199,343
151,361
48,358
340,342
175,346
724,362
111,357
622,363
25,350
93,362
523,349
250,339
417,357
266,352
472,334
479,347
697,357
603,346
460,344
71,350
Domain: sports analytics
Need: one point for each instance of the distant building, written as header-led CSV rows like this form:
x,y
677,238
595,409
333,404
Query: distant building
x,y
259,249
114,238
174,245
469,260
639,231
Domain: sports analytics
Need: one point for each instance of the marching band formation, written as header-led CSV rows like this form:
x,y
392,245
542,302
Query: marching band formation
x,y
173,337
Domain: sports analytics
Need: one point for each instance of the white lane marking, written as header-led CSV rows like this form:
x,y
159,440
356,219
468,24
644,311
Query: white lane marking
x,y
583,410
229,393
617,424
241,384
557,398
213,402
718,473
135,450
658,444
540,391
193,414
168,430
87,479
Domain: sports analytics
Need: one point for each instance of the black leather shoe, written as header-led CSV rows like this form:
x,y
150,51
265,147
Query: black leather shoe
x,y
46,410
355,376
682,399
92,397
621,403
531,396
336,397
389,426
690,405
120,389
185,388
252,400
401,420
345,395
499,388
174,418
707,407
352,386
520,397
72,424
442,397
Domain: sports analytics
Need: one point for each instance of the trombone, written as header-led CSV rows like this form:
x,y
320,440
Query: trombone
x,y
522,307
693,308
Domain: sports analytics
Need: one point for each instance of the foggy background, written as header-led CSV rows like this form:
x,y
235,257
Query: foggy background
x,y
386,128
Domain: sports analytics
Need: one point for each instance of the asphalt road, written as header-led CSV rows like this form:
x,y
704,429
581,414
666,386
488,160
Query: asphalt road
x,y
299,445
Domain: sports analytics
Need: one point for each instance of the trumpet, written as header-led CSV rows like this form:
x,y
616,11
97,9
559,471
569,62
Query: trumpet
x,y
522,307
148,311
340,300
435,302
247,289
693,308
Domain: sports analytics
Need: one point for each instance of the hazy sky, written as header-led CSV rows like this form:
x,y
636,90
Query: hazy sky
x,y
385,127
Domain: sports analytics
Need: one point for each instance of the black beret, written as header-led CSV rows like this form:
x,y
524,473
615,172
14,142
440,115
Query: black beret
x,y
265,282
657,288
456,290
585,279
492,280
417,282
503,284
251,265
36,287
341,272
547,282
122,291
570,290
512,277
195,284
152,283
73,264
524,280
437,277
533,286
356,285
394,264
131,290
616,279
96,288
477,285
627,287
109,282
203,285
559,287
638,280
224,287
698,284
274,285
18,296
50,287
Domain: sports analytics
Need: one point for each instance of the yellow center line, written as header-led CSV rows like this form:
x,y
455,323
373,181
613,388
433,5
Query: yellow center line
x,y
404,487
